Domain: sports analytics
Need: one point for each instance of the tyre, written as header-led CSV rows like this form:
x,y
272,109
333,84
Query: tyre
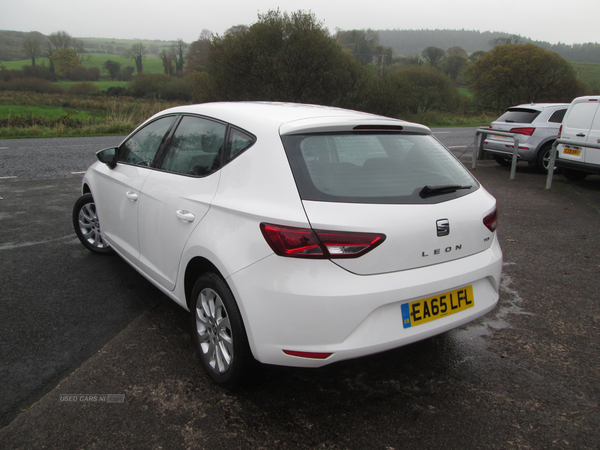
x,y
219,332
87,225
543,159
574,175
503,160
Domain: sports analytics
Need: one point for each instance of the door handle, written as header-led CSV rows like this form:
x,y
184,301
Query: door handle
x,y
185,216
580,135
132,196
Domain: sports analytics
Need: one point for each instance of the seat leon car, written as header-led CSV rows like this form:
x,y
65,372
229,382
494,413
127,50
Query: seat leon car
x,y
295,235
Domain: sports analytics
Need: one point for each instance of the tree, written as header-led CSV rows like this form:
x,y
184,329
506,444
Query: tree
x,y
457,51
505,40
178,50
113,68
60,40
417,89
512,74
454,65
137,52
64,60
167,60
285,57
197,57
433,55
32,47
476,55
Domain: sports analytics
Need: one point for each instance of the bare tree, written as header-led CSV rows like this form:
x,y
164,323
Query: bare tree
x,y
206,35
32,47
137,52
167,60
60,40
178,51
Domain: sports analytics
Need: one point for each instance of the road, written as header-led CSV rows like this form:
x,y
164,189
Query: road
x,y
524,376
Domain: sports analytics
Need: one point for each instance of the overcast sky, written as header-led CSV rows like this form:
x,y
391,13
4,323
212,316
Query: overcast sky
x,y
566,21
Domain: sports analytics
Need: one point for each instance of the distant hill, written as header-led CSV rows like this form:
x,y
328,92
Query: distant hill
x,y
412,42
402,42
11,44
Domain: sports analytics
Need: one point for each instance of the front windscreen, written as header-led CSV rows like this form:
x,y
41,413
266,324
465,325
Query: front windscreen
x,y
375,168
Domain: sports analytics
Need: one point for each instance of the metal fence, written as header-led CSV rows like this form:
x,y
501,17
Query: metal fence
x,y
513,167
553,155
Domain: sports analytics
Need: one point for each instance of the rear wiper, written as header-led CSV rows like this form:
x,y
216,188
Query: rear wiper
x,y
430,191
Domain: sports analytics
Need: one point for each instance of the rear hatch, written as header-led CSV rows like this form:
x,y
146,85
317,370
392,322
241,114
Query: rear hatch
x,y
399,184
515,120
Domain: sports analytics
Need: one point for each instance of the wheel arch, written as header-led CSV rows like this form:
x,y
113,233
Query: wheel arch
x,y
547,143
196,267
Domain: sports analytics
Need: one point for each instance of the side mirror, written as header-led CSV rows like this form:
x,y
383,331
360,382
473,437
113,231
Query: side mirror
x,y
108,156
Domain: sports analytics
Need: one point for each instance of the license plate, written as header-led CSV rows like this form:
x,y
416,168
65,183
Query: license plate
x,y
572,151
499,137
432,308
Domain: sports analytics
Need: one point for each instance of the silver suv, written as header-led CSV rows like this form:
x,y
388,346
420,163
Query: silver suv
x,y
536,124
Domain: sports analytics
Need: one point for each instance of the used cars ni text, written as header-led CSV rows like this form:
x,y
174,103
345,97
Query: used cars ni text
x,y
296,235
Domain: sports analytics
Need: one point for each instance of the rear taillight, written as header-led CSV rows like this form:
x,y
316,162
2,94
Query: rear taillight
x,y
491,220
309,243
525,131
559,131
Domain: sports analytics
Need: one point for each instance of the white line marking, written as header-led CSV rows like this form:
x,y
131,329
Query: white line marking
x,y
6,178
77,173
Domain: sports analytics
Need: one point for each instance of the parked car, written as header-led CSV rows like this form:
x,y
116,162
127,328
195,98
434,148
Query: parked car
x,y
581,124
296,235
536,124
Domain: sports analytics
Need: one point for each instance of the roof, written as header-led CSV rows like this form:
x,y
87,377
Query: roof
x,y
290,117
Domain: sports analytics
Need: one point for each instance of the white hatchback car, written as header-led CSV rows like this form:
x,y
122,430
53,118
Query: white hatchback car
x,y
296,235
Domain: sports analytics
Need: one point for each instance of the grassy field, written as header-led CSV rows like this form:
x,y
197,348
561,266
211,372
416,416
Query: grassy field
x,y
589,73
151,64
26,114
101,85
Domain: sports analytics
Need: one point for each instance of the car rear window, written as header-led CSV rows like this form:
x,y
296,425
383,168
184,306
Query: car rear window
x,y
375,168
519,115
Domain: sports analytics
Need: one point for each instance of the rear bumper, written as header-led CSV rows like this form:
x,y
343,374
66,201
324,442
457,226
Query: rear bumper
x,y
506,148
315,306
576,165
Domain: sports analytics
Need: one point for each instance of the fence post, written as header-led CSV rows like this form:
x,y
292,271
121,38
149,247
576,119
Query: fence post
x,y
551,164
513,166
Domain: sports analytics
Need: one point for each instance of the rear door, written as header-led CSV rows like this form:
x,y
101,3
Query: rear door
x,y
175,198
576,128
592,155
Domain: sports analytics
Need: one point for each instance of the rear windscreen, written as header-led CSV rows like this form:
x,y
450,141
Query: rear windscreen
x,y
519,115
375,168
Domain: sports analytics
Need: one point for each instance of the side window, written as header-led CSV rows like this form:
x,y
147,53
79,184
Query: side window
x,y
140,149
557,116
238,142
195,146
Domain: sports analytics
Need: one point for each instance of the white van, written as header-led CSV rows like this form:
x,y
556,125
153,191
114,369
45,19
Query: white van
x,y
582,125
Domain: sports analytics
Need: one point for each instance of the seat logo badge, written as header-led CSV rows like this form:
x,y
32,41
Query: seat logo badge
x,y
443,227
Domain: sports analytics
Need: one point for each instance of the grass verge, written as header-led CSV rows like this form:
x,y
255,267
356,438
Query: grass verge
x,y
26,114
